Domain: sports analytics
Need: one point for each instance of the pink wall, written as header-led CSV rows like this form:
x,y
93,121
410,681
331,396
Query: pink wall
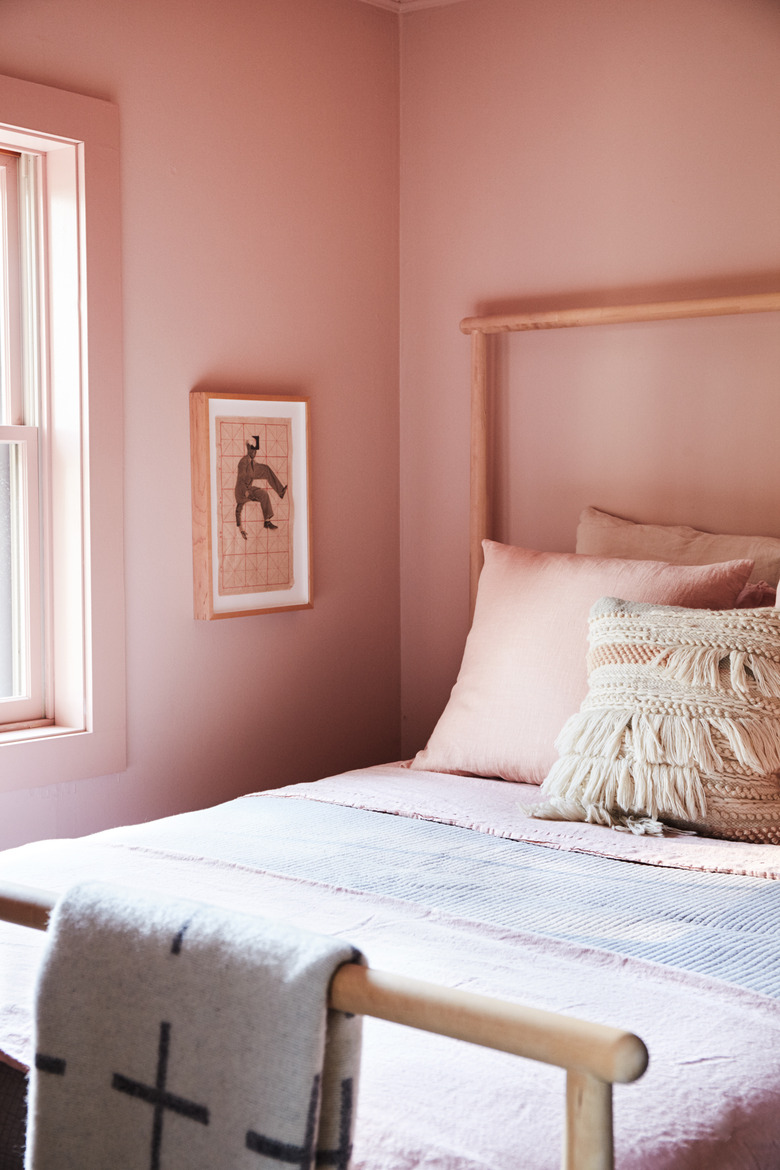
x,y
570,151
573,152
260,205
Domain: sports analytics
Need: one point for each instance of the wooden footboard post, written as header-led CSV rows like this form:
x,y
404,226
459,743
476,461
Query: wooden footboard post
x,y
588,1143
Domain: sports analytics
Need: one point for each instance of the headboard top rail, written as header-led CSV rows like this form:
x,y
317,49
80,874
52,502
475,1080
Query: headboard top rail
x,y
622,314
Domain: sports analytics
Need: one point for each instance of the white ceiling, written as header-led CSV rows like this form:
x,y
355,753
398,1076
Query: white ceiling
x,y
408,5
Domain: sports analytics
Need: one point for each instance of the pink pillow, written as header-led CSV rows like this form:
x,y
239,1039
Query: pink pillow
x,y
757,595
524,670
603,535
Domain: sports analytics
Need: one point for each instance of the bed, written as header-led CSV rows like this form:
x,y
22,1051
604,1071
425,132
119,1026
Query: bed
x,y
448,877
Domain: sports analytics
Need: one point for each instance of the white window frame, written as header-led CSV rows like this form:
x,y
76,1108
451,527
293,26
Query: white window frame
x,y
22,322
29,706
81,437
10,292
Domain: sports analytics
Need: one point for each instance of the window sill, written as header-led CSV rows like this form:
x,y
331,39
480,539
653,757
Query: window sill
x,y
36,757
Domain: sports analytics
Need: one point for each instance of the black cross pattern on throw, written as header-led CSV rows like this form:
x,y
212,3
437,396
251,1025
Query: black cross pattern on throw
x,y
284,1151
340,1158
50,1064
162,1099
302,1156
178,939
159,1096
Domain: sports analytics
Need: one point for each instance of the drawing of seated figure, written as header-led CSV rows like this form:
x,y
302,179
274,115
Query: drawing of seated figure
x,y
246,491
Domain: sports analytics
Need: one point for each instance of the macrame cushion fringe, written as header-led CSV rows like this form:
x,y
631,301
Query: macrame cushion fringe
x,y
681,725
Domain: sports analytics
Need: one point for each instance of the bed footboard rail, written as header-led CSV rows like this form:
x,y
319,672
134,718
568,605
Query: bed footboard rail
x,y
594,1056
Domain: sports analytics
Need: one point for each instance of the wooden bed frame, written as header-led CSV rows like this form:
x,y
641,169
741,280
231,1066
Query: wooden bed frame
x,y
594,1056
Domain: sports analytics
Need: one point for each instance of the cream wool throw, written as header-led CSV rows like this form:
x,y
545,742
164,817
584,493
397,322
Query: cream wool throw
x,y
172,1035
681,724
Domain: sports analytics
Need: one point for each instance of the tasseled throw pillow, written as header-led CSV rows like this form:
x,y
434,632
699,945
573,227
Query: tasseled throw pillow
x,y
681,724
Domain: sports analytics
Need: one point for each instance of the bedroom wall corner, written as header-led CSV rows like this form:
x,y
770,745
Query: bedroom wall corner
x,y
259,158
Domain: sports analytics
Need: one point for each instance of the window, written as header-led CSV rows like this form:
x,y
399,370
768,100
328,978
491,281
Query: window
x,y
61,588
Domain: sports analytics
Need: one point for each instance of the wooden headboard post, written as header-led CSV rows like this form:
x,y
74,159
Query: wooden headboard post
x,y
481,511
481,327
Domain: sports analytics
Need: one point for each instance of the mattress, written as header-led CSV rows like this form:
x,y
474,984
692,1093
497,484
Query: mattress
x,y
683,953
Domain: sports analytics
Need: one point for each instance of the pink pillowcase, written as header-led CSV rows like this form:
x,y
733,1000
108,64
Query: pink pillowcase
x,y
756,595
602,535
524,671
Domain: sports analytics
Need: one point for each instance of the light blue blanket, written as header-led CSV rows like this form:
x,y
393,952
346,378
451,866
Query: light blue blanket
x,y
720,925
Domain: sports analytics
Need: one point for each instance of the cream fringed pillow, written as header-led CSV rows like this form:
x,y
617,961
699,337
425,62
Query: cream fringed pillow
x,y
681,724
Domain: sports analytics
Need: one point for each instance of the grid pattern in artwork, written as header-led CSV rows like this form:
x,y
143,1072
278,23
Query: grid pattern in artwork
x,y
262,560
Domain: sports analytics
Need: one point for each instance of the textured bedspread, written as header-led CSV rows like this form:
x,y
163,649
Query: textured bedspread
x,y
498,809
563,930
711,923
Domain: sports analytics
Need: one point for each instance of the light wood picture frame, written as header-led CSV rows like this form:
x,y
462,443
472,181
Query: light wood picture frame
x,y
251,504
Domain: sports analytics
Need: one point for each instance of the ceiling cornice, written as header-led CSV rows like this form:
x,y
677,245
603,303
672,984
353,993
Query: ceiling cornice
x,y
409,5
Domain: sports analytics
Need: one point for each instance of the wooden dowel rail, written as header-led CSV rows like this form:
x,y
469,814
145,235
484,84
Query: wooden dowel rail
x,y
594,1055
622,314
26,905
608,1054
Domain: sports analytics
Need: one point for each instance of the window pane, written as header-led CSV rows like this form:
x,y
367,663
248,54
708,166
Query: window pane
x,y
21,695
11,382
4,354
6,577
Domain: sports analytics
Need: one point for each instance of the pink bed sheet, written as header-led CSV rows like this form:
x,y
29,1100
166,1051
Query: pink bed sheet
x,y
499,808
709,1101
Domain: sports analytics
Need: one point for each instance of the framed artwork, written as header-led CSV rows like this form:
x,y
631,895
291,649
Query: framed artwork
x,y
251,545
